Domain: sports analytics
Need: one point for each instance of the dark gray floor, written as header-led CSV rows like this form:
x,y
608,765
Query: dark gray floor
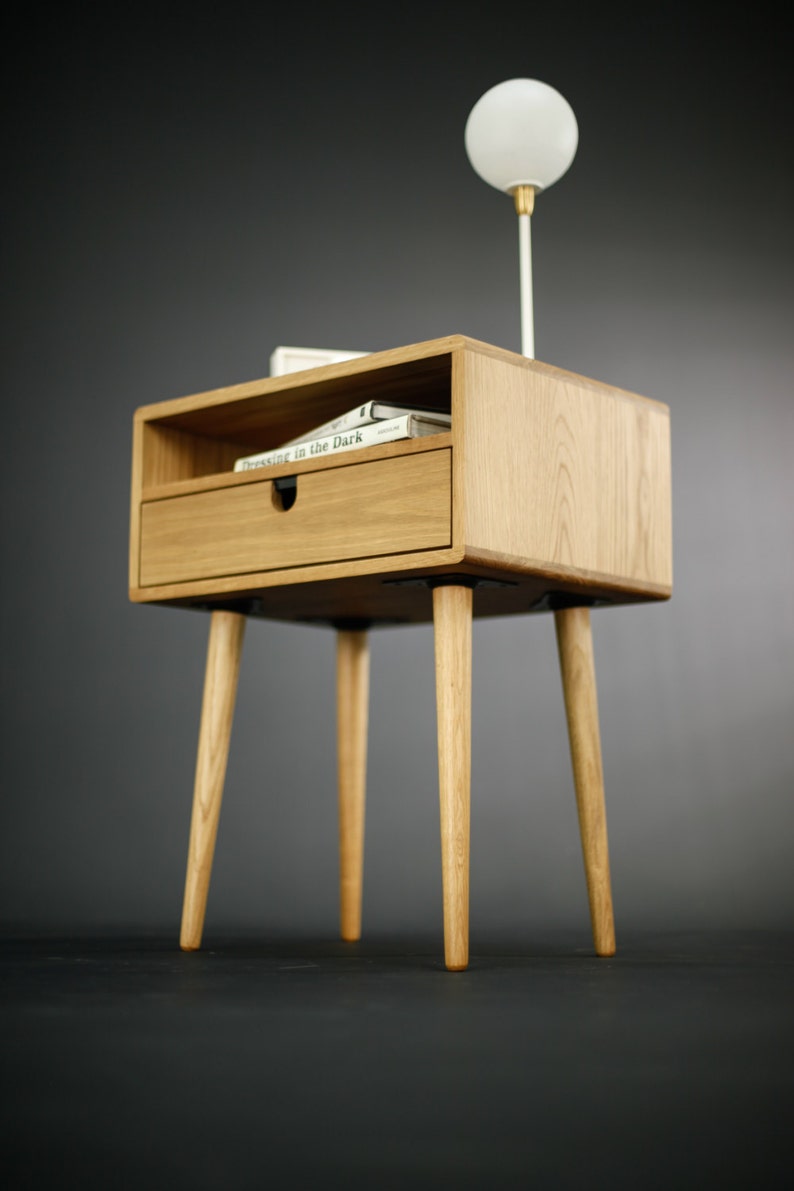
x,y
128,1064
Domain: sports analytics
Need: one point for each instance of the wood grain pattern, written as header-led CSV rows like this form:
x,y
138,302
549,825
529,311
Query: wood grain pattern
x,y
220,689
263,413
555,476
352,702
378,589
171,454
452,616
417,369
399,504
136,487
233,479
577,665
571,477
458,412
260,583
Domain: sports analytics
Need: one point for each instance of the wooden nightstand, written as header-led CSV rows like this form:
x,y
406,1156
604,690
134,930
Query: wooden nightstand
x,y
549,492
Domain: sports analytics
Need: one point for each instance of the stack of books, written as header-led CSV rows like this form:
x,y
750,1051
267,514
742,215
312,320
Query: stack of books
x,y
364,426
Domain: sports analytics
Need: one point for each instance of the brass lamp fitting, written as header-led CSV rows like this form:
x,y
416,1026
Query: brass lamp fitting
x,y
524,199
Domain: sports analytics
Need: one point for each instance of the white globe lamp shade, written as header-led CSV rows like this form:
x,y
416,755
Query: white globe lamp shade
x,y
521,133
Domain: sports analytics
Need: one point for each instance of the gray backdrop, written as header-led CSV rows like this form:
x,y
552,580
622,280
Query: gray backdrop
x,y
183,193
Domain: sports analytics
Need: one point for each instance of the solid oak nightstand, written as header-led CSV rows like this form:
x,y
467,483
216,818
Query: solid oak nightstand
x,y
549,492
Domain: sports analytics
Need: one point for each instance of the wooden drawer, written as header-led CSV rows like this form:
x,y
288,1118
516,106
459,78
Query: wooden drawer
x,y
384,507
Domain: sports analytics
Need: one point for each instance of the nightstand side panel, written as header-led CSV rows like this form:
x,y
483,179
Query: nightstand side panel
x,y
565,476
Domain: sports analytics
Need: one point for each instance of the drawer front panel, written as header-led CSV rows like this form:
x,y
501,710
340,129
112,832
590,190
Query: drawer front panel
x,y
389,506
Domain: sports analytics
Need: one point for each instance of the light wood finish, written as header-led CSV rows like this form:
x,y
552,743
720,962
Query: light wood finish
x,y
266,412
399,504
136,490
548,486
452,617
220,688
554,476
567,476
389,590
577,664
259,584
172,455
352,702
233,479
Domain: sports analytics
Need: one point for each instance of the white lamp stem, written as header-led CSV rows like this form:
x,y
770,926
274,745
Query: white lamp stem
x,y
525,265
524,197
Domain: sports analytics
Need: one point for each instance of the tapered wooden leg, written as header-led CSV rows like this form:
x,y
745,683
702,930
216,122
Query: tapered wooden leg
x,y
352,702
452,608
220,689
575,644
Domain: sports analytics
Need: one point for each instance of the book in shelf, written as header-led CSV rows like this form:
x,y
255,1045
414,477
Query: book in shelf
x,y
365,426
363,415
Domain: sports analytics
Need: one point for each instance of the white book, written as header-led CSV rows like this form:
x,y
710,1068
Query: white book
x,y
362,415
295,359
410,425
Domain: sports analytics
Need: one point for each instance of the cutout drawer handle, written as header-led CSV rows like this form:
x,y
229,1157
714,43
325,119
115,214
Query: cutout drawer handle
x,y
285,492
